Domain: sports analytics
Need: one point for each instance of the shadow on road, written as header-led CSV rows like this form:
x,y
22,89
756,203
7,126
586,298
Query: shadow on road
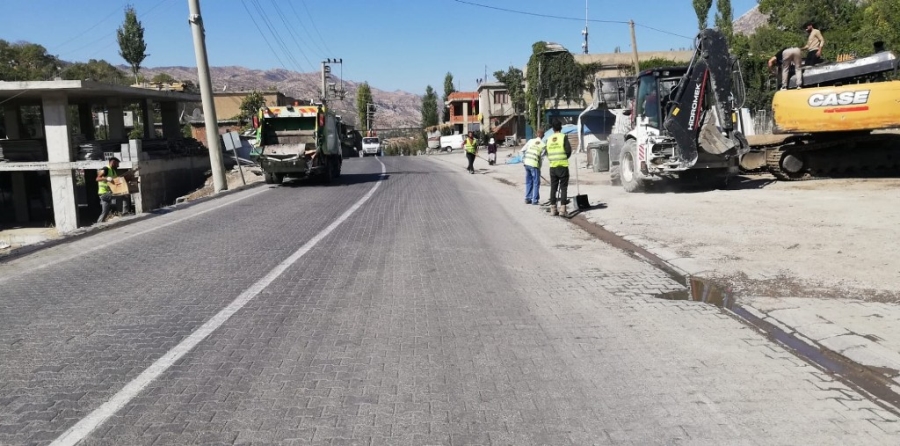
x,y
346,179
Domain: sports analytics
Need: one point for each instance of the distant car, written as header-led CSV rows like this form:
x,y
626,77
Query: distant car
x,y
371,146
451,142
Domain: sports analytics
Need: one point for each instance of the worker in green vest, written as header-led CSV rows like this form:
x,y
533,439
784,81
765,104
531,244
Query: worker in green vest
x,y
470,144
532,153
558,152
104,177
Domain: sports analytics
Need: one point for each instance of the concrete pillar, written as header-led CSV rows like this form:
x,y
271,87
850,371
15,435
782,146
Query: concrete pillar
x,y
115,119
20,196
147,118
465,118
86,121
170,122
11,120
57,131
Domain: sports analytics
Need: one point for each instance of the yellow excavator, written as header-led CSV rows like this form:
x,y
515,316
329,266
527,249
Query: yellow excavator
x,y
843,120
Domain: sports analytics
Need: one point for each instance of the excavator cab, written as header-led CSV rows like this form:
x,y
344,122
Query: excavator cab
x,y
655,89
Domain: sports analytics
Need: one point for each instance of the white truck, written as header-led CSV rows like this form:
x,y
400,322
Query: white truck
x,y
371,145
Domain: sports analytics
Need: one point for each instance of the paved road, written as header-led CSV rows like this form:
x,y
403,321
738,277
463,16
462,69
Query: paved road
x,y
427,306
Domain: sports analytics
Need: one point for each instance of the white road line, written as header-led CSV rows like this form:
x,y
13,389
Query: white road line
x,y
131,236
84,427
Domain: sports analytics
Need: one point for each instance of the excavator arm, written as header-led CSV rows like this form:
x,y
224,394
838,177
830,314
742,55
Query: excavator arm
x,y
700,114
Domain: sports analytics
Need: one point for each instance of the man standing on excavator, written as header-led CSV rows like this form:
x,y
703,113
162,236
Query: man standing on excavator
x,y
814,45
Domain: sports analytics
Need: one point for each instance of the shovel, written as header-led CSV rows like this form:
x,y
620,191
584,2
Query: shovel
x,y
581,200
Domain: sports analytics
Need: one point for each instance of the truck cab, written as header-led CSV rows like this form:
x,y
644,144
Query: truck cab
x,y
371,145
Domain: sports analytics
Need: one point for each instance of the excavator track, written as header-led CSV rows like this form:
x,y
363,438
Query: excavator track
x,y
864,155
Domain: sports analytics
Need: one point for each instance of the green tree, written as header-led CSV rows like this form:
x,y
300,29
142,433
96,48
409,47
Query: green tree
x,y
448,90
725,18
363,99
839,21
189,86
23,61
250,105
132,47
879,23
702,7
94,70
162,78
514,81
429,108
560,78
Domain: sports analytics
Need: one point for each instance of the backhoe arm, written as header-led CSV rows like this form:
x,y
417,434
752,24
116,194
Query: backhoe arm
x,y
704,94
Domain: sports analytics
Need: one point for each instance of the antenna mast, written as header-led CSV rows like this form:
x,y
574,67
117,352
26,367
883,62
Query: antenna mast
x,y
584,32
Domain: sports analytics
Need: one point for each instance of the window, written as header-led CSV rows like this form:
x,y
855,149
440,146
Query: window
x,y
501,97
647,100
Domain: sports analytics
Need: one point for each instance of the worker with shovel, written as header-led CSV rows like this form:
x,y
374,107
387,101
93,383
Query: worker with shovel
x,y
558,152
531,157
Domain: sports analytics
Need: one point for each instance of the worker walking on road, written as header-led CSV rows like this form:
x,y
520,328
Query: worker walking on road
x,y
104,177
813,46
492,152
787,58
470,144
558,152
532,153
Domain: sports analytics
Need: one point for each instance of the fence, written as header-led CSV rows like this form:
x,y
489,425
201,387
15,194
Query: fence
x,y
763,122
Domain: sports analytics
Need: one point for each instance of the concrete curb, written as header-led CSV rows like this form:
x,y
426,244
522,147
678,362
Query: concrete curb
x,y
93,230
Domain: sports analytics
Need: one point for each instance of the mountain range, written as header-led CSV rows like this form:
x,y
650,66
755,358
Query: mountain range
x,y
394,108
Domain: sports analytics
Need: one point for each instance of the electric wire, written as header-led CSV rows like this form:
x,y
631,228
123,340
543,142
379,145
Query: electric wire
x,y
315,28
263,35
73,39
279,42
321,53
143,16
264,16
290,30
112,34
577,19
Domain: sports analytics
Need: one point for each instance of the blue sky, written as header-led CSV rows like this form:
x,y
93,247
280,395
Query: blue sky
x,y
392,44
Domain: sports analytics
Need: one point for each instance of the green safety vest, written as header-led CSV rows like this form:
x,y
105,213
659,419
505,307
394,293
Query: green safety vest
x,y
533,154
556,151
103,186
470,145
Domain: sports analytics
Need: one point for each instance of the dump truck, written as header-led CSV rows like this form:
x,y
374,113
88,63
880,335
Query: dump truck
x,y
297,142
351,140
840,121
683,121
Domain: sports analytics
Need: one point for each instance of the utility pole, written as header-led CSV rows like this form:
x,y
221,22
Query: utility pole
x,y
206,95
584,46
540,99
634,50
325,69
326,73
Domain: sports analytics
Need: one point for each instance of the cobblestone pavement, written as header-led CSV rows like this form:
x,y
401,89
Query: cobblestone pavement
x,y
444,311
